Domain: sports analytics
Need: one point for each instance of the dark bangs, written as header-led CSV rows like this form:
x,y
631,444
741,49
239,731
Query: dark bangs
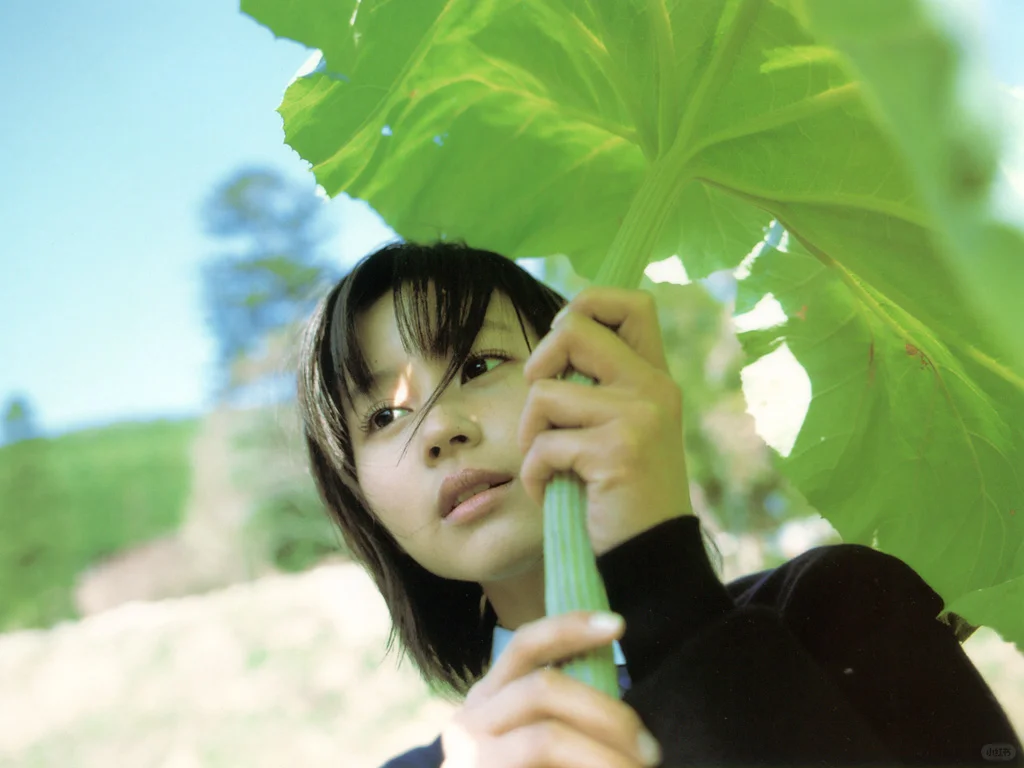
x,y
464,279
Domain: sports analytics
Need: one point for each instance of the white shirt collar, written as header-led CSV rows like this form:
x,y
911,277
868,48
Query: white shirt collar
x,y
502,637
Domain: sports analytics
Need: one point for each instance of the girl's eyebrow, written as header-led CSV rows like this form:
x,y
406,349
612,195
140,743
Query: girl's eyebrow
x,y
384,377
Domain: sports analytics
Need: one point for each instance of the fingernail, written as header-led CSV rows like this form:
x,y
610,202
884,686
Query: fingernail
x,y
559,315
648,748
607,622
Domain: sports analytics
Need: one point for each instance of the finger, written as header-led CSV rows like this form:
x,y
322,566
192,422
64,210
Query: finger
x,y
542,642
591,348
594,350
554,744
552,404
632,314
604,457
549,694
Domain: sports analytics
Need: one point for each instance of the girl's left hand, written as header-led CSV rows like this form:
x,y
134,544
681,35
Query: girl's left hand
x,y
623,437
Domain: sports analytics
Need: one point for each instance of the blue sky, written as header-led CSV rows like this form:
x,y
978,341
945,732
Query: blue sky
x,y
118,120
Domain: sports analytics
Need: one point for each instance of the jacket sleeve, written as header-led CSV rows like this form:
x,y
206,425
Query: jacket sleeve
x,y
895,661
766,683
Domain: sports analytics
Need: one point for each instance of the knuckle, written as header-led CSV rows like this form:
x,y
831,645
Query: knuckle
x,y
537,398
541,389
567,332
546,681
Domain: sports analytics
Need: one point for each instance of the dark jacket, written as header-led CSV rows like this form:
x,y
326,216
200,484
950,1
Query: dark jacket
x,y
833,658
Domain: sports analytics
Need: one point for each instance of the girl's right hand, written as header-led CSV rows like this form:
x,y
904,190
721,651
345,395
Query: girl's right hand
x,y
523,715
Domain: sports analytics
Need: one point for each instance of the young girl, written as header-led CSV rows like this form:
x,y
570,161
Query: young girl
x,y
434,417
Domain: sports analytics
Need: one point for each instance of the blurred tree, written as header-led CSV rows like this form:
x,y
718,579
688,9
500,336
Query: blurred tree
x,y
274,272
19,421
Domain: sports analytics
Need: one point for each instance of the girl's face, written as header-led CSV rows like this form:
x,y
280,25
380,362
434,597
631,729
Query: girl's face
x,y
472,425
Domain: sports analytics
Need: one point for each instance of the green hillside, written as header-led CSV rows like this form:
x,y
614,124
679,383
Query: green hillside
x,y
69,501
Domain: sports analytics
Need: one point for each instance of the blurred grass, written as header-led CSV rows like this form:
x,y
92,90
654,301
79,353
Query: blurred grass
x,y
69,501
294,531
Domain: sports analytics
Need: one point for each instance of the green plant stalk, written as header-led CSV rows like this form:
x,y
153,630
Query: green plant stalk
x,y
571,579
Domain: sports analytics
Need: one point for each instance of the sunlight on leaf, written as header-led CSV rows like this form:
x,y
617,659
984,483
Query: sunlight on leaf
x,y
908,439
670,270
778,393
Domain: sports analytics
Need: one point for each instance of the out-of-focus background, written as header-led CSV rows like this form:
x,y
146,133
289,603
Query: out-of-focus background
x,y
171,594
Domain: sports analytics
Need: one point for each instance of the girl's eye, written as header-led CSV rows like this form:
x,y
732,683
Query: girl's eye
x,y
481,357
371,422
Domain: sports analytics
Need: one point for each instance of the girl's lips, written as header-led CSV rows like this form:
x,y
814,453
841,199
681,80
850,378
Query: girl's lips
x,y
479,505
466,480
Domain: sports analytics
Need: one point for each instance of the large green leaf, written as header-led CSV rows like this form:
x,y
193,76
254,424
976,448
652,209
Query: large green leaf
x,y
529,127
620,132
907,439
929,90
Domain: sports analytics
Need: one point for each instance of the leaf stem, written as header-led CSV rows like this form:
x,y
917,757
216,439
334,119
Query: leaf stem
x,y
631,250
668,75
571,578
622,89
721,64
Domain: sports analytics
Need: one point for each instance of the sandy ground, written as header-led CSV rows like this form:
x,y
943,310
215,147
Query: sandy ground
x,y
284,671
